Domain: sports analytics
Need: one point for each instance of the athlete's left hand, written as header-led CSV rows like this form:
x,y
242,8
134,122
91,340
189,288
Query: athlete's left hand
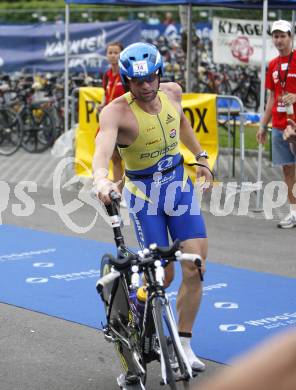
x,y
204,172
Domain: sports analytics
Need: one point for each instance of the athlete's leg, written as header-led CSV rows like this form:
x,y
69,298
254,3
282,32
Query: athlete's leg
x,y
187,224
189,296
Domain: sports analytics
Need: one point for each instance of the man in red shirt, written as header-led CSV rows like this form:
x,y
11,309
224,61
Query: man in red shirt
x,y
281,106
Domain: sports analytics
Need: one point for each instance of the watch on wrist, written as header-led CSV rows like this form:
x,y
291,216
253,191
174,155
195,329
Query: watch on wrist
x,y
202,154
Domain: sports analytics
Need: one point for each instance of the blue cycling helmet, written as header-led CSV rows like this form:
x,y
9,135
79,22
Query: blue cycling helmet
x,y
139,60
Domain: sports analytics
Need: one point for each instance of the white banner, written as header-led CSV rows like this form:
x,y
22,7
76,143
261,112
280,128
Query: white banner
x,y
239,42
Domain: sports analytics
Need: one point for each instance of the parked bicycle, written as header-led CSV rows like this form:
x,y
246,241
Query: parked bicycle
x,y
142,331
11,131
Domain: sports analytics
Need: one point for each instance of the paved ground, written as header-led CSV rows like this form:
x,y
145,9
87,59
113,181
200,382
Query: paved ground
x,y
44,353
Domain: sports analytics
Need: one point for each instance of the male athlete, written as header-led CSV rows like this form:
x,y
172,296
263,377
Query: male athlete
x,y
147,124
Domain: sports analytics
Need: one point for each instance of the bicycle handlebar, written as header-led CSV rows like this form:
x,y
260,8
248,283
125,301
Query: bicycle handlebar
x,y
106,279
112,208
147,257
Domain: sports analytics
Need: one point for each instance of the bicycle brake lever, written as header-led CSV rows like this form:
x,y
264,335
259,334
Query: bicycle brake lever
x,y
198,264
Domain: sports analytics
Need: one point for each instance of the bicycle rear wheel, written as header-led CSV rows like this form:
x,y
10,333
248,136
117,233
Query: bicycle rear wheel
x,y
11,132
167,373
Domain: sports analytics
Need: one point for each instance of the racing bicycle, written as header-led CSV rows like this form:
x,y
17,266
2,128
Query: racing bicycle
x,y
140,338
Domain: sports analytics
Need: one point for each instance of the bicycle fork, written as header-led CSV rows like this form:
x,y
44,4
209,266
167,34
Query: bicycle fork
x,y
168,316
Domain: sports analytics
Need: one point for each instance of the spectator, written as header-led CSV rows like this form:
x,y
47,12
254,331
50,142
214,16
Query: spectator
x,y
113,88
281,83
111,79
168,19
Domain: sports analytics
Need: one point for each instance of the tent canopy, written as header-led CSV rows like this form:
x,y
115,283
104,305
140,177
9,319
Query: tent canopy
x,y
279,4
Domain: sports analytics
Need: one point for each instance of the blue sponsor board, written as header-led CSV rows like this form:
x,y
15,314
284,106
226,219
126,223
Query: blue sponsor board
x,y
56,275
41,47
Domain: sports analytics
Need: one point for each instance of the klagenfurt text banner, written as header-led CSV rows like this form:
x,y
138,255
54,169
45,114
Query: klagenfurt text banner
x,y
239,42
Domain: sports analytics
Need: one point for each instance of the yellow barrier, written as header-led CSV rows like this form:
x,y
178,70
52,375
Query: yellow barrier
x,y
200,109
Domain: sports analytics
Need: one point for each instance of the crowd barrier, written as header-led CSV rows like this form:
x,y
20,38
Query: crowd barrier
x,y
231,112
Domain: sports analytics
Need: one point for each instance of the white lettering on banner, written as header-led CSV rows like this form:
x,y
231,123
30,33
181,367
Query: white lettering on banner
x,y
77,275
173,295
36,280
23,255
150,34
90,44
215,286
92,273
43,265
226,305
277,321
232,328
93,60
238,41
268,320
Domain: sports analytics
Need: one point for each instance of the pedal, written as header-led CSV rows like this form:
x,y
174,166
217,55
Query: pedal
x,y
121,381
183,378
107,335
130,382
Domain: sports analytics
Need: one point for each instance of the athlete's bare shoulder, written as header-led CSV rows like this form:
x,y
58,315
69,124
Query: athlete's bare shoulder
x,y
173,90
115,110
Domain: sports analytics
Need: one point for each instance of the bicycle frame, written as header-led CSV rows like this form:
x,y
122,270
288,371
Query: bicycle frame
x,y
139,341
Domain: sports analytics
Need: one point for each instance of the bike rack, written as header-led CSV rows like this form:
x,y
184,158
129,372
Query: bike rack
x,y
232,113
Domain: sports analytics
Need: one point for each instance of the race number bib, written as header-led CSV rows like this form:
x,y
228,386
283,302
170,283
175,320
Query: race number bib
x,y
140,68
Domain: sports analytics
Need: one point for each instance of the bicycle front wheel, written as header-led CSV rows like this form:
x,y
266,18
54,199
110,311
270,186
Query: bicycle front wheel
x,y
11,132
166,368
122,327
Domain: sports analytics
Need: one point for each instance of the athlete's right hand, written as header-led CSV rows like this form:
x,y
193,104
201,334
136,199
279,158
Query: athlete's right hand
x,y
104,187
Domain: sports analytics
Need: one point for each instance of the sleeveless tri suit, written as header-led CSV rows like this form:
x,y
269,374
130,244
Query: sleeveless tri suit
x,y
158,191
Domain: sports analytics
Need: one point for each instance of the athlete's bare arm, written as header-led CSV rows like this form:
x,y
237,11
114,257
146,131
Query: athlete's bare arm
x,y
187,136
270,366
104,147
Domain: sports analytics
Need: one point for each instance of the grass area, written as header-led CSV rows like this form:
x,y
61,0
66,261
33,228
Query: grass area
x,y
250,137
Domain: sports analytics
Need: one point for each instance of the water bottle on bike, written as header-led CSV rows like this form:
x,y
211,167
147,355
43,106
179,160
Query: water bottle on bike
x,y
138,298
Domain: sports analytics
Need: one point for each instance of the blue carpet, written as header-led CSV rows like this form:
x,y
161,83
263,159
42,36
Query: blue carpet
x,y
56,275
